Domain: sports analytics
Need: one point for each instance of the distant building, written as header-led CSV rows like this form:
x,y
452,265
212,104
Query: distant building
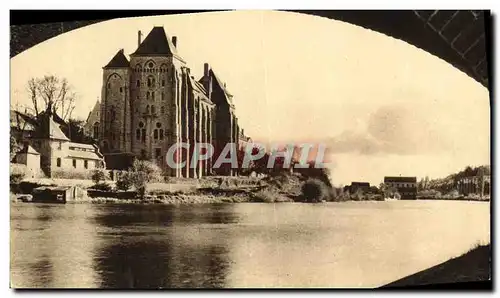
x,y
355,186
405,186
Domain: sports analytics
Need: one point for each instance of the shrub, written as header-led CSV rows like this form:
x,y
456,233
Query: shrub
x,y
263,196
103,186
71,174
16,178
124,182
358,195
98,175
314,190
17,173
397,196
269,196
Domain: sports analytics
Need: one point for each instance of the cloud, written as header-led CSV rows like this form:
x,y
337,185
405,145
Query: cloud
x,y
394,129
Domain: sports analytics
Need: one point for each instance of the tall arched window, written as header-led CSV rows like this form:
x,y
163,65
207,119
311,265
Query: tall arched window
x,y
96,130
156,133
147,95
161,134
147,109
153,95
153,109
162,109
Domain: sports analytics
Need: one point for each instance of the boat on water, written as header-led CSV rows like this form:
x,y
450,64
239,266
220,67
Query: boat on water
x,y
391,199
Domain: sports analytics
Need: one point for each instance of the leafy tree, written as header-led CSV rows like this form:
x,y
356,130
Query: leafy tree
x,y
143,172
314,191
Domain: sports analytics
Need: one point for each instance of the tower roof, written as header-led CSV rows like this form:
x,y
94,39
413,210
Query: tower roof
x,y
156,43
119,60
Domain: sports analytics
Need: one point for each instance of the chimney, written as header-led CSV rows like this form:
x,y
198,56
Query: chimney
x,y
206,69
207,80
174,41
139,35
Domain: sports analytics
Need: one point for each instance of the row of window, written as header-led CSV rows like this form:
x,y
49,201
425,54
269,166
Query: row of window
x,y
85,163
140,134
402,184
151,110
81,149
151,83
150,95
150,70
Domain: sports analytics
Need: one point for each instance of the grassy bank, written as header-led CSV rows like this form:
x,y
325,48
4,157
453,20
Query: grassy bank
x,y
475,265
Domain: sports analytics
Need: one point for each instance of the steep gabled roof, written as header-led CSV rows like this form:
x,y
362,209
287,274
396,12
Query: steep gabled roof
x,y
156,43
29,150
49,129
119,61
217,81
221,84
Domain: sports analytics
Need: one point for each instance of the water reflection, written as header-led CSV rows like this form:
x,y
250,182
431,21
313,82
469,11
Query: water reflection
x,y
354,244
167,249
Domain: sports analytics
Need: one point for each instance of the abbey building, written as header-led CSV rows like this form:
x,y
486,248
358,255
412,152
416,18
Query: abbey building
x,y
150,102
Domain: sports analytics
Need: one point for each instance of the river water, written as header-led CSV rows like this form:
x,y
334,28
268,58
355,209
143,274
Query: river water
x,y
351,244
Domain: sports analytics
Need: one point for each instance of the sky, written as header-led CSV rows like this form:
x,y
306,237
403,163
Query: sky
x,y
381,106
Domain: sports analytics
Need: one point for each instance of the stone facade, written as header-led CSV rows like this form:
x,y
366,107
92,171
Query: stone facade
x,y
151,102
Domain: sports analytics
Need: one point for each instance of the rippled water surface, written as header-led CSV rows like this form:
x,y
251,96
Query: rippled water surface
x,y
349,244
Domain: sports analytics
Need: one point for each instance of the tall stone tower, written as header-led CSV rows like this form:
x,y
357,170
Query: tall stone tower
x,y
155,95
115,107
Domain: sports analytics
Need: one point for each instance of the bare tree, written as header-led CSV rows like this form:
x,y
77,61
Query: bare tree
x,y
53,94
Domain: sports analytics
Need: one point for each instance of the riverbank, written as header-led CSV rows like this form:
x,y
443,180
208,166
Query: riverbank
x,y
473,266
273,189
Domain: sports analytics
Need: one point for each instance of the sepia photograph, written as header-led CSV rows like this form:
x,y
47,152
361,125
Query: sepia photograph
x,y
243,149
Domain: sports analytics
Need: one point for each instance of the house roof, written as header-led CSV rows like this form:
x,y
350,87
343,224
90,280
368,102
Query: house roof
x,y
81,145
360,184
156,43
29,150
20,120
52,188
49,129
118,61
84,155
400,179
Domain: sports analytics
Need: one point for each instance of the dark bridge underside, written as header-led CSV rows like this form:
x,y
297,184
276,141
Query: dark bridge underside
x,y
458,37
